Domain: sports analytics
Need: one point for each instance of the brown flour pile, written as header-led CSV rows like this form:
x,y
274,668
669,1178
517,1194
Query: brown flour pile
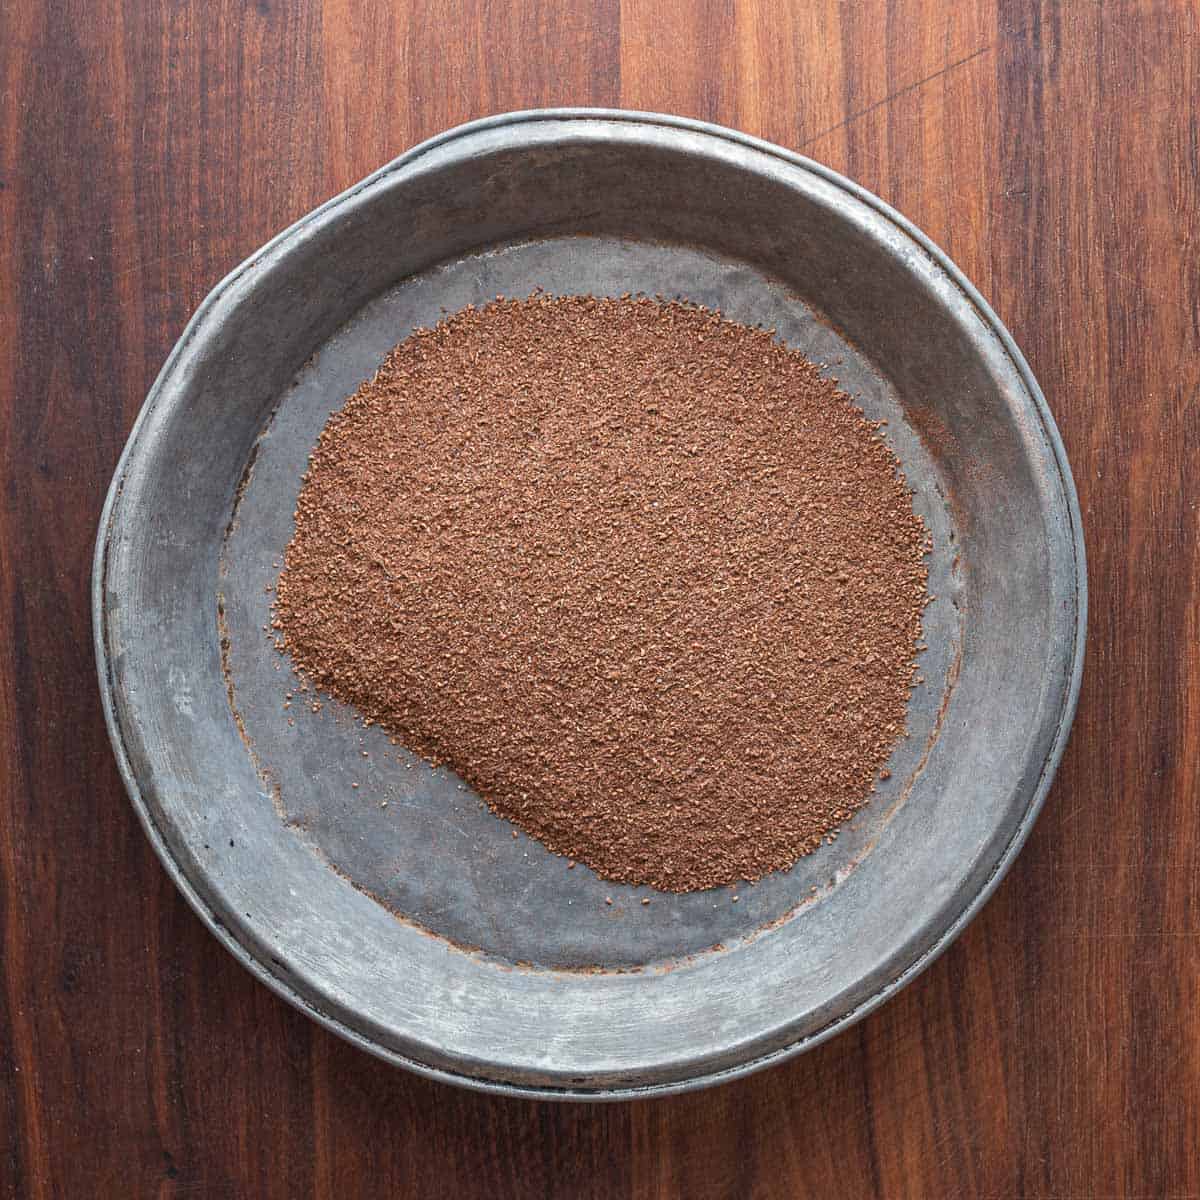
x,y
639,574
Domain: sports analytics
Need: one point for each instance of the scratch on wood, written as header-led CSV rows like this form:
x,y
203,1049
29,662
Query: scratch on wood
x,y
892,96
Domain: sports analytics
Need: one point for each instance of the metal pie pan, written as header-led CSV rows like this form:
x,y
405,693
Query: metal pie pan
x,y
423,931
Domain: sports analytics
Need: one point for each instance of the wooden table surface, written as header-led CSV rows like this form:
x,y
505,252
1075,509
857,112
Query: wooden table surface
x,y
1052,149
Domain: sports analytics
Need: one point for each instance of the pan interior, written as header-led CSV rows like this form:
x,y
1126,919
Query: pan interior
x,y
434,855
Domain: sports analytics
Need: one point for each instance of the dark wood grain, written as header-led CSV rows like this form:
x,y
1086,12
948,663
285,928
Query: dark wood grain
x,y
1053,149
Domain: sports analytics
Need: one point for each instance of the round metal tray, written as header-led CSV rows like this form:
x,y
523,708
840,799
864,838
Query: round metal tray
x,y
423,931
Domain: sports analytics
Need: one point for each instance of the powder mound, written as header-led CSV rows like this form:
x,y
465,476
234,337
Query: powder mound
x,y
649,582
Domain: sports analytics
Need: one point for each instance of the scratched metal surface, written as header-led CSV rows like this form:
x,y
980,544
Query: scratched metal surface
x,y
423,930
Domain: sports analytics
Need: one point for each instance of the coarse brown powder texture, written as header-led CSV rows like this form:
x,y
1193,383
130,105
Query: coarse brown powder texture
x,y
648,581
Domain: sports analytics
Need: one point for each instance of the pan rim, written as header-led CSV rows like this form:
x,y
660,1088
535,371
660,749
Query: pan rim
x,y
893,984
